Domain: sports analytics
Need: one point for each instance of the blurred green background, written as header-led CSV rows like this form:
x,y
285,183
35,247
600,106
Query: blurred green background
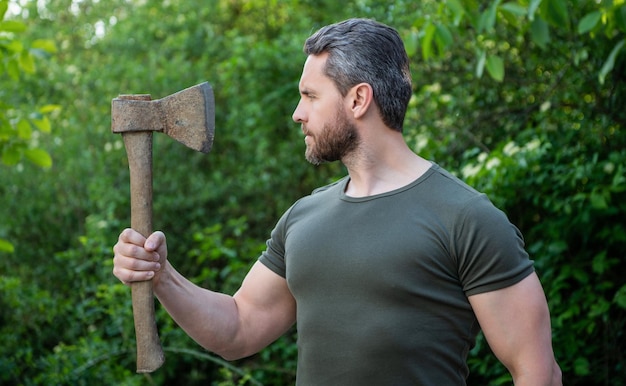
x,y
524,99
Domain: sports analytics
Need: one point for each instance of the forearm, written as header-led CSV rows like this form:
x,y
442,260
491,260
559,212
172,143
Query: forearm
x,y
210,318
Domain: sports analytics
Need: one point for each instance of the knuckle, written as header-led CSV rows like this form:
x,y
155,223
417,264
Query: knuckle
x,y
134,264
118,273
124,234
116,263
135,251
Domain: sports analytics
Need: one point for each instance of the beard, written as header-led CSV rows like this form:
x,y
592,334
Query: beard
x,y
336,140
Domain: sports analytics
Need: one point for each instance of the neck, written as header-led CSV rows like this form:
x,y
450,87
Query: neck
x,y
382,165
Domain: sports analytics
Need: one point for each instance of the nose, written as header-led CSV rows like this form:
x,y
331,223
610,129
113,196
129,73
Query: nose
x,y
298,114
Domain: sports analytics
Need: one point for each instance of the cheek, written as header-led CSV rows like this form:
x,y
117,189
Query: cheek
x,y
321,113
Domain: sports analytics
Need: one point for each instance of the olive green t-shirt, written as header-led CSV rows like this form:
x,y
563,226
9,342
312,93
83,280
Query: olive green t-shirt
x,y
381,282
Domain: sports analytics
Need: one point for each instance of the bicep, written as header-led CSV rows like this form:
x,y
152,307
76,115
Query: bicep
x,y
266,307
516,323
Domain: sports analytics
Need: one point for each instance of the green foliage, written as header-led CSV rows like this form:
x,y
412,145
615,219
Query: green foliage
x,y
570,211
19,130
33,313
524,99
535,21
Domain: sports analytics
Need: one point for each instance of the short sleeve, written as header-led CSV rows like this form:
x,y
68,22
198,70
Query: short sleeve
x,y
489,249
274,255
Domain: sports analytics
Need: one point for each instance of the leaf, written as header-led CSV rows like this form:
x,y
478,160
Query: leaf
x,y
556,13
540,33
46,45
599,264
491,15
43,124
427,41
411,43
588,22
620,297
610,61
618,184
514,9
487,20
599,308
513,14
581,366
598,200
13,69
12,26
27,62
39,157
495,67
443,37
457,10
13,46
24,130
49,108
4,6
480,65
532,8
6,246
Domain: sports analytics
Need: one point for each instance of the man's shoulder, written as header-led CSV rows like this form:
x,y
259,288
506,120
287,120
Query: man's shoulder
x,y
320,194
452,181
330,187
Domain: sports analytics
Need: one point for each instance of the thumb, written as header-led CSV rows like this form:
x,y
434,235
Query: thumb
x,y
155,242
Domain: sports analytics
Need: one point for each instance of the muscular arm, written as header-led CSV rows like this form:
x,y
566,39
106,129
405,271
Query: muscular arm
x,y
233,327
516,324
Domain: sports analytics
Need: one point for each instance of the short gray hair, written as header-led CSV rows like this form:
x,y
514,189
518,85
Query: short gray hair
x,y
366,51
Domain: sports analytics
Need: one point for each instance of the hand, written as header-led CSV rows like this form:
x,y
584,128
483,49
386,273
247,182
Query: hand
x,y
137,258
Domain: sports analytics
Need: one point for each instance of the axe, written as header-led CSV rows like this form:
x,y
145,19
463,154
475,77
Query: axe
x,y
188,116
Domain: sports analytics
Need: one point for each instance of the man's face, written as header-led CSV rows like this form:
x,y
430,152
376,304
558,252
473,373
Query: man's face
x,y
329,133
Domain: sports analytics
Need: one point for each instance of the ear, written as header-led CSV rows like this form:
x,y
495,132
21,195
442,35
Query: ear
x,y
361,99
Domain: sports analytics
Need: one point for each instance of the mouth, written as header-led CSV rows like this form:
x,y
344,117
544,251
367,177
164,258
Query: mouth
x,y
306,133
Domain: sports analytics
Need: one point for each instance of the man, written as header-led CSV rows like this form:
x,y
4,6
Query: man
x,y
388,272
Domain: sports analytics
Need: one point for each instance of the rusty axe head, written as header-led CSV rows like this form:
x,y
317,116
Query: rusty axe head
x,y
188,116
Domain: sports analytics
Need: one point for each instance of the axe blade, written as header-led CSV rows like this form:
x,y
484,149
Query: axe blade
x,y
189,116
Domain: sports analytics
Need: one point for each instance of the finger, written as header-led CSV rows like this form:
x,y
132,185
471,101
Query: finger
x,y
135,264
155,241
131,236
128,276
134,251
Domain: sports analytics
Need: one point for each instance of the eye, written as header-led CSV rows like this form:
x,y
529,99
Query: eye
x,y
307,94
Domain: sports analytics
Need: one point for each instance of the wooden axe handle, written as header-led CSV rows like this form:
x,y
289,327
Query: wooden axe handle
x,y
139,150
